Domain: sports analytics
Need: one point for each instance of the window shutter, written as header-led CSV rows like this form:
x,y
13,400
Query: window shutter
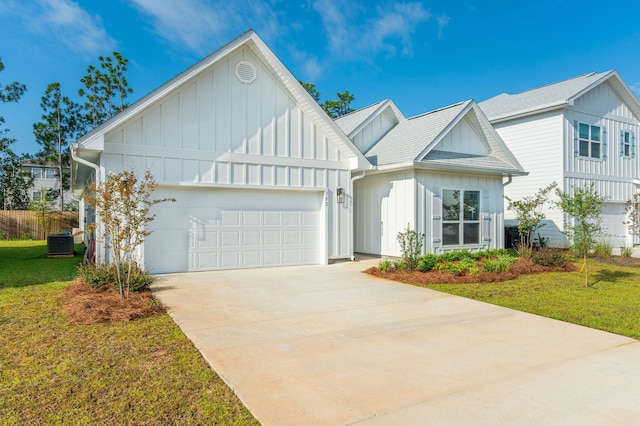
x,y
604,143
575,138
621,143
633,145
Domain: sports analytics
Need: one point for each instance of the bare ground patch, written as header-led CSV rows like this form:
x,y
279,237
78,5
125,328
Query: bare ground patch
x,y
444,277
87,305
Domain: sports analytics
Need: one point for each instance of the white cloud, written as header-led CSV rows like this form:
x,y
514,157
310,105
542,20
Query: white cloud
x,y
71,24
442,21
311,69
355,33
201,26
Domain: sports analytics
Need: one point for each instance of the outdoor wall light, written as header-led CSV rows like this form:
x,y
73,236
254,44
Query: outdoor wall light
x,y
340,195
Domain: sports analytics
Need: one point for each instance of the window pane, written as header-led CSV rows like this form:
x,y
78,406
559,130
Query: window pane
x,y
595,133
471,205
595,149
626,137
584,131
626,150
450,234
36,172
451,204
472,233
584,148
50,173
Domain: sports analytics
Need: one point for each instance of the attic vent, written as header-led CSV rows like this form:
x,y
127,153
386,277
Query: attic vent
x,y
245,72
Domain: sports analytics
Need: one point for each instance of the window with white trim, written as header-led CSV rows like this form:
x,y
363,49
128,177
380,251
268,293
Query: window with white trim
x,y
49,173
589,141
36,195
625,144
460,217
36,172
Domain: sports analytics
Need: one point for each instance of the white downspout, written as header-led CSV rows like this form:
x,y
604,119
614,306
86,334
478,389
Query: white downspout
x,y
353,204
96,168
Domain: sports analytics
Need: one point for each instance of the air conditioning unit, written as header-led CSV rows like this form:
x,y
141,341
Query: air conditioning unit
x,y
60,245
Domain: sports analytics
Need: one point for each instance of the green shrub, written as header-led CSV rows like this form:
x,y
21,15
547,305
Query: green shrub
x,y
603,249
384,265
427,262
400,264
97,276
3,236
626,251
454,256
524,251
26,236
462,267
501,263
411,243
549,257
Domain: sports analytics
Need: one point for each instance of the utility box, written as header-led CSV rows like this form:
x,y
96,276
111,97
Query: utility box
x,y
511,237
60,245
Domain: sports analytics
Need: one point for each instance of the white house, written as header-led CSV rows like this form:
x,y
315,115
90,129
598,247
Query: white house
x,y
442,173
261,175
574,132
44,180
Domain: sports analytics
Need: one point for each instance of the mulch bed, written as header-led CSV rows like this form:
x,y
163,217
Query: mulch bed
x,y
86,305
444,277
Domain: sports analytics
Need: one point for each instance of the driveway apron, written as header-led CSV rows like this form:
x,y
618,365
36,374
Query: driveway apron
x,y
329,345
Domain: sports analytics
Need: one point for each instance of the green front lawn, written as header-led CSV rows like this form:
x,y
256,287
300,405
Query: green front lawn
x,y
610,303
52,372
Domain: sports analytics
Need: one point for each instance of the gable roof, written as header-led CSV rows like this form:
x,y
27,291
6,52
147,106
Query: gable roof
x,y
353,122
414,142
555,96
94,140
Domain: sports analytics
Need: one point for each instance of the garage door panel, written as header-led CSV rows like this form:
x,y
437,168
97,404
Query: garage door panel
x,y
251,238
272,238
228,229
251,258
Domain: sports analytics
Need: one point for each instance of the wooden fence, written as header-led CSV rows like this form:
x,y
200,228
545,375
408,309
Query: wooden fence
x,y
16,224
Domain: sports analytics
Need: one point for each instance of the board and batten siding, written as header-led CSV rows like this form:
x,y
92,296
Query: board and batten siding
x,y
215,131
613,173
373,131
386,203
537,142
464,138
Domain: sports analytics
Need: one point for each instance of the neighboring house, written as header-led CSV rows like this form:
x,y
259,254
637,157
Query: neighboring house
x,y
261,175
441,173
574,132
44,179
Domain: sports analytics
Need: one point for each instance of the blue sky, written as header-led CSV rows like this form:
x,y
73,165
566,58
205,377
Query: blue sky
x,y
422,54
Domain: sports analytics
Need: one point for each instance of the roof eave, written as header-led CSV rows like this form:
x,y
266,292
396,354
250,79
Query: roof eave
x,y
474,169
529,112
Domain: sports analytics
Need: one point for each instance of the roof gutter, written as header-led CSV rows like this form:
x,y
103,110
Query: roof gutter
x,y
75,157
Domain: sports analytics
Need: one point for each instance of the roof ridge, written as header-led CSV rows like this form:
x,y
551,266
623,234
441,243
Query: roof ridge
x,y
439,109
363,108
590,74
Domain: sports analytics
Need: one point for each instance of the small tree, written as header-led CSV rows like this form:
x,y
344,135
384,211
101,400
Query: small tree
x,y
411,243
529,214
44,210
584,225
123,205
633,211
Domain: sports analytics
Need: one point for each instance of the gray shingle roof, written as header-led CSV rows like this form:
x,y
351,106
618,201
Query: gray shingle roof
x,y
410,137
349,122
460,160
555,94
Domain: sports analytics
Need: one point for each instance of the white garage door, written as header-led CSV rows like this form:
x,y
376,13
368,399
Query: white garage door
x,y
208,229
615,230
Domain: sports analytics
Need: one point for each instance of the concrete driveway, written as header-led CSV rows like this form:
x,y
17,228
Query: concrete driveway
x,y
329,345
